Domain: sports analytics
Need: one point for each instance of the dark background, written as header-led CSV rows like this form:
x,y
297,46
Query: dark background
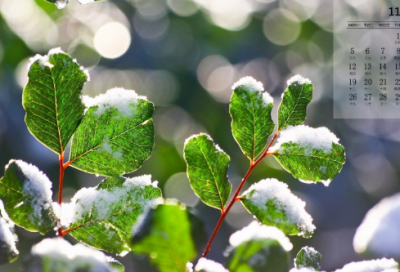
x,y
185,56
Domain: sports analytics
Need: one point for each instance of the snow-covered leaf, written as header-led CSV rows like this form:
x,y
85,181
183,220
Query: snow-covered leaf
x,y
379,233
103,217
310,154
27,196
292,110
115,265
167,234
116,135
207,165
8,240
258,248
57,255
382,265
52,98
205,265
308,257
250,109
273,204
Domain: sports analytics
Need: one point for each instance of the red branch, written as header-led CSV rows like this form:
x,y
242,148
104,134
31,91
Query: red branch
x,y
235,198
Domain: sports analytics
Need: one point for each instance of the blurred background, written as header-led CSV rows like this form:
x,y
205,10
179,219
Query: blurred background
x,y
184,55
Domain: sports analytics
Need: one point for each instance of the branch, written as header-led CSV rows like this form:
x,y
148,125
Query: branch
x,y
235,196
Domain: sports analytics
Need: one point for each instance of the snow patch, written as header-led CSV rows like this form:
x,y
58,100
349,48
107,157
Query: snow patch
x,y
379,232
7,229
382,265
254,86
273,190
209,266
37,186
189,267
68,258
256,231
308,138
86,198
125,101
304,269
299,80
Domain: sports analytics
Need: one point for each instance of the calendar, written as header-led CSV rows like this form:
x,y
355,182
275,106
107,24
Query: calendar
x,y
366,59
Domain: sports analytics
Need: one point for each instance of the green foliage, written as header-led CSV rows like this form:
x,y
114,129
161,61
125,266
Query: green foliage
x,y
8,250
308,257
292,110
23,201
115,265
251,119
263,255
206,167
52,99
167,235
123,142
108,212
317,166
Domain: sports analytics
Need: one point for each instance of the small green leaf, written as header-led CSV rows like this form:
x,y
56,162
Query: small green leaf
x,y
310,154
8,240
308,257
250,109
27,196
166,234
52,99
116,135
258,248
58,255
292,110
273,204
115,265
103,217
207,164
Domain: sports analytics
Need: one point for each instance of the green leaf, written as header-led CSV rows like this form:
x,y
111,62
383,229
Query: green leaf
x,y
58,255
115,265
258,248
292,110
27,196
52,99
308,257
207,165
103,217
166,234
310,155
116,135
8,240
250,109
273,204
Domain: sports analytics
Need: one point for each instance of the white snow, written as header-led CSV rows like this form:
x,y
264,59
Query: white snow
x,y
299,80
60,4
189,267
273,190
379,232
256,231
68,258
37,186
303,269
54,51
308,138
125,101
209,266
6,229
254,86
86,199
382,265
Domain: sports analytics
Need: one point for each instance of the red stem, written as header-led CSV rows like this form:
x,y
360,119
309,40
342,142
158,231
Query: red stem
x,y
235,198
60,189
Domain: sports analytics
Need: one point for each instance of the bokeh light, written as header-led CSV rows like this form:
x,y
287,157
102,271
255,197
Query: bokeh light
x,y
112,40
